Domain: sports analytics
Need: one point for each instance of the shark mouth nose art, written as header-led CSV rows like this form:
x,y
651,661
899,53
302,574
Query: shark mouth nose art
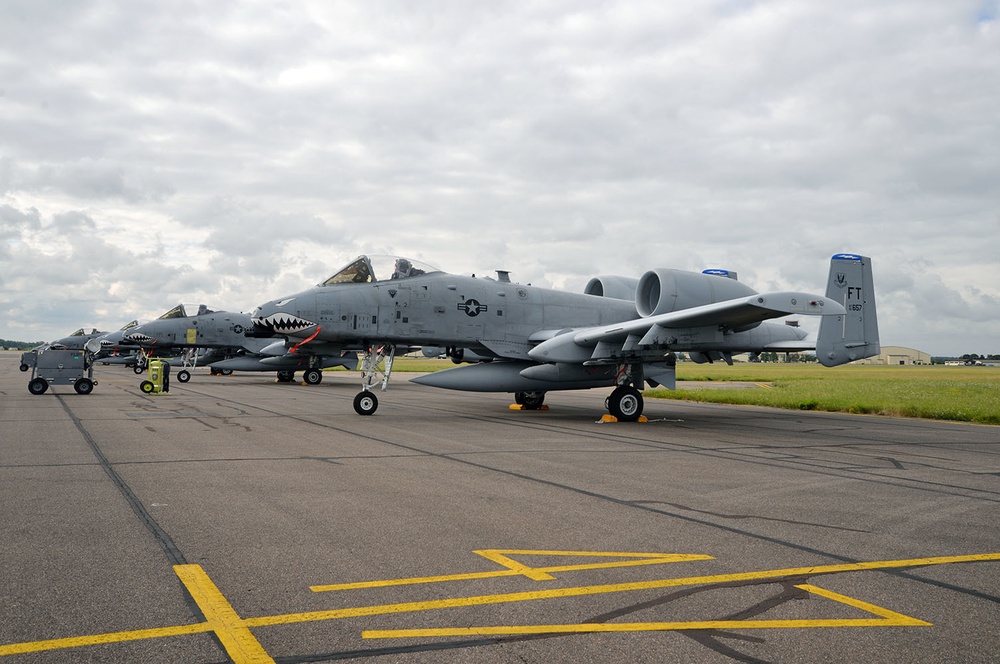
x,y
284,323
140,338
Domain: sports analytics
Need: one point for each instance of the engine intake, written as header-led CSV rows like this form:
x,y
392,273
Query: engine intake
x,y
618,288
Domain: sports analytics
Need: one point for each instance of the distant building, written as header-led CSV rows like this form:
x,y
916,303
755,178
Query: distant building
x,y
898,355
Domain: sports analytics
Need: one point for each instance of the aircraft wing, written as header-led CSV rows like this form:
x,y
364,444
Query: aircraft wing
x,y
581,345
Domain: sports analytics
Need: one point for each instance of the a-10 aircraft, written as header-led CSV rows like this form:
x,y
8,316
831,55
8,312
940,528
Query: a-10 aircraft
x,y
222,335
622,332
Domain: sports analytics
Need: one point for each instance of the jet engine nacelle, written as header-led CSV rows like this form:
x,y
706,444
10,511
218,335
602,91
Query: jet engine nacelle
x,y
663,290
619,288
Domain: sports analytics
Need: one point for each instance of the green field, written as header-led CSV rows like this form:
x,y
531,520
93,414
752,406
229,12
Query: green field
x,y
963,394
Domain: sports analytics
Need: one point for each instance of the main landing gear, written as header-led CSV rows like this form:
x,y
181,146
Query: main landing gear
x,y
529,400
365,402
625,402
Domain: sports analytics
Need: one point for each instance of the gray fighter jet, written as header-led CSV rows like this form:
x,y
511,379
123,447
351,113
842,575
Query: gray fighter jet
x,y
620,333
223,345
77,340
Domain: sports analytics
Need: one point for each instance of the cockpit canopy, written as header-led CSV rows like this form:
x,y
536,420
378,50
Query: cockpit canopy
x,y
180,311
379,267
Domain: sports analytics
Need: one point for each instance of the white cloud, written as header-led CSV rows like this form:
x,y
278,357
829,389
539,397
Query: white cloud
x,y
231,152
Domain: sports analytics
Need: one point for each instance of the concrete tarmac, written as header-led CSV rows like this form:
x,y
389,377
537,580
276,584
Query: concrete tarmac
x,y
241,520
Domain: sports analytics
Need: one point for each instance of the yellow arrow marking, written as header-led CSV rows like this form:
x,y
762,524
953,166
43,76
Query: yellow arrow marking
x,y
514,568
888,619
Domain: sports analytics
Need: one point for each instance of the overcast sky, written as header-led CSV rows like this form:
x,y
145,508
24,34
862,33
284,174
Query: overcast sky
x,y
232,152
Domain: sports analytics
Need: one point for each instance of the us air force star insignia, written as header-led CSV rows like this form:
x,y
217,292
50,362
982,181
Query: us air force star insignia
x,y
472,307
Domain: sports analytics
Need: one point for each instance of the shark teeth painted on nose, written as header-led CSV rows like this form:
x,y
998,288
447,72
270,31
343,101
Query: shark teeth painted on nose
x,y
140,338
282,322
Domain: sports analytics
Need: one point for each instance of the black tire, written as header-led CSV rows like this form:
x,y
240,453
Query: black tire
x,y
532,400
314,377
147,387
183,375
365,403
625,403
137,370
24,367
519,398
83,386
286,376
38,386
226,372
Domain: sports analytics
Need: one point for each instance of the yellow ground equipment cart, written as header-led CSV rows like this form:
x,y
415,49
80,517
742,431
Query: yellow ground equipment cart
x,y
159,378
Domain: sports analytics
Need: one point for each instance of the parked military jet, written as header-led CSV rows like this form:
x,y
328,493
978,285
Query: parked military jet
x,y
621,333
76,340
222,335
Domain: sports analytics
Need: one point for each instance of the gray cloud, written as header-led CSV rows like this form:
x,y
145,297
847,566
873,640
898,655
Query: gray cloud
x,y
229,153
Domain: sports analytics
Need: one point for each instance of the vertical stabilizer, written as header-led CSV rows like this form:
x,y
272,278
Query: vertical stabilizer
x,y
852,336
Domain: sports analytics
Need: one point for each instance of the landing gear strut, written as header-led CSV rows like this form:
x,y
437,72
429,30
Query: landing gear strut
x,y
365,402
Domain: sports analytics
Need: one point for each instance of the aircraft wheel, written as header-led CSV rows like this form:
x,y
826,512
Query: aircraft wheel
x,y
183,375
137,369
24,367
147,387
625,403
38,386
532,400
286,376
314,376
365,403
519,398
83,386
226,372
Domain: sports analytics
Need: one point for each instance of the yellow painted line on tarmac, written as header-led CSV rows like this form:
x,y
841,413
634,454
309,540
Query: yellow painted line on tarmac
x,y
242,646
514,568
766,386
578,591
887,619
98,639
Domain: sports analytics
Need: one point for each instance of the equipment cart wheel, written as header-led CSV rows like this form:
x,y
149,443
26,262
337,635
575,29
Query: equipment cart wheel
x,y
183,375
147,386
38,386
24,367
625,403
314,376
365,403
83,386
